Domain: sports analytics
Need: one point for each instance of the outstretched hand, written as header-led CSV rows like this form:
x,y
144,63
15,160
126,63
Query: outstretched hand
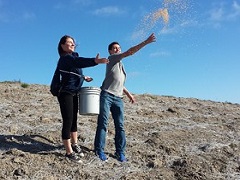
x,y
99,60
151,38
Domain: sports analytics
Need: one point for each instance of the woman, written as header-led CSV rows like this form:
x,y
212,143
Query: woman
x,y
70,65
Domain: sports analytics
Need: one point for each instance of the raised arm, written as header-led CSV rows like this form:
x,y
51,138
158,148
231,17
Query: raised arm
x,y
136,48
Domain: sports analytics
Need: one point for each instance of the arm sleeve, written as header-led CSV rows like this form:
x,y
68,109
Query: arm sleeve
x,y
68,62
82,62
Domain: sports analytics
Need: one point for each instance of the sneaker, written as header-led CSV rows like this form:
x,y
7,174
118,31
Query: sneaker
x,y
73,157
121,157
102,156
76,148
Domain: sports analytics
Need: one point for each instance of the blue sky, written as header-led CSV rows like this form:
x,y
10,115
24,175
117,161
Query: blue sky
x,y
196,53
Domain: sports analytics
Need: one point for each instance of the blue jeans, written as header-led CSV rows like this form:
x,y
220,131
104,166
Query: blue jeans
x,y
109,102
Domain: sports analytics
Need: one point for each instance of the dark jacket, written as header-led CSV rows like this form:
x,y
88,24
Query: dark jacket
x,y
73,63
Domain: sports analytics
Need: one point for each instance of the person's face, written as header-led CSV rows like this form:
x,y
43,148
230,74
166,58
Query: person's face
x,y
69,45
115,49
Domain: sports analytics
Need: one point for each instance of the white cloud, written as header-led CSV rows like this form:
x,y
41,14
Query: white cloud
x,y
79,4
178,27
109,10
225,12
160,54
133,74
166,30
28,15
3,18
9,16
82,2
217,14
236,11
236,6
59,5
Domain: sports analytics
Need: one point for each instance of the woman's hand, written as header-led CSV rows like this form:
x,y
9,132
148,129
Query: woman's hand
x,y
88,79
99,60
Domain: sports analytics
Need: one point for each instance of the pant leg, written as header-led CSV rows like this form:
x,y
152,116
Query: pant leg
x,y
66,107
75,113
117,111
102,123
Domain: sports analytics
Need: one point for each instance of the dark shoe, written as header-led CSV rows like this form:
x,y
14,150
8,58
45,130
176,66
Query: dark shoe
x,y
76,148
73,157
121,157
102,156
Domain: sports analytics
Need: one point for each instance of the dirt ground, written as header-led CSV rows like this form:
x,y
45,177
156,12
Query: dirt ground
x,y
168,138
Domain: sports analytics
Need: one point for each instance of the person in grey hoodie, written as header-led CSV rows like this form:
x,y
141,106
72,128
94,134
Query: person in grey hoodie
x,y
111,99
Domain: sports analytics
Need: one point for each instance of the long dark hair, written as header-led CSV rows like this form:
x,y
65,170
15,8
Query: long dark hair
x,y
63,41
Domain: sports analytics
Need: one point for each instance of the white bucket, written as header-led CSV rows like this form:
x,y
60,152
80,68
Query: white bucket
x,y
89,101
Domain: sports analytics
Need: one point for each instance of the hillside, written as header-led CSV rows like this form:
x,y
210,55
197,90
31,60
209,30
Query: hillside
x,y
167,138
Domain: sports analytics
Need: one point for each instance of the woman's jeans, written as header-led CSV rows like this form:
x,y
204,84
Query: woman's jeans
x,y
109,102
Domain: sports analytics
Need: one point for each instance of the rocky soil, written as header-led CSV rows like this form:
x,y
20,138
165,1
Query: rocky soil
x,y
168,138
